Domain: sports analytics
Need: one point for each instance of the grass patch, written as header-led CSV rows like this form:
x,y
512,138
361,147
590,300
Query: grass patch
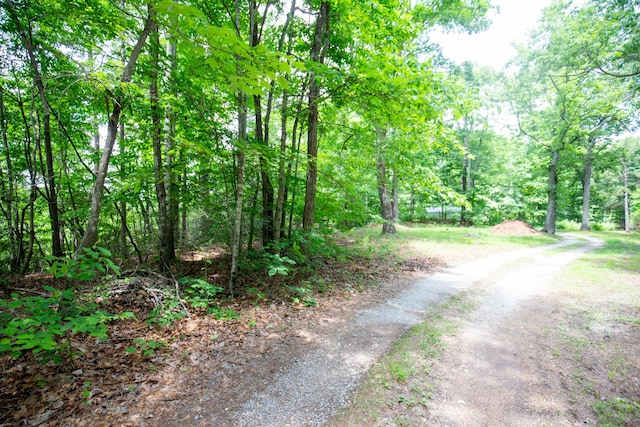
x,y
599,335
617,412
397,390
449,244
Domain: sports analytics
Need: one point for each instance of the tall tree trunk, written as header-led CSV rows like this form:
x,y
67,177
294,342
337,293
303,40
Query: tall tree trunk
x,y
236,234
396,198
466,171
167,246
278,221
586,187
90,236
296,140
386,205
277,224
8,194
236,241
266,185
412,205
21,219
262,136
52,195
252,214
319,39
170,179
552,194
625,180
123,249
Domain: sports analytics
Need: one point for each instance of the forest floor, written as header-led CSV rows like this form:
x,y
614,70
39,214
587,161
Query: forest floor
x,y
285,362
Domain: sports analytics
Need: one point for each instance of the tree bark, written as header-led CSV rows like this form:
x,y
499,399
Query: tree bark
x,y
236,233
386,205
252,215
90,236
625,180
586,186
8,194
552,194
266,185
237,225
396,198
277,223
319,39
123,249
170,178
278,219
167,245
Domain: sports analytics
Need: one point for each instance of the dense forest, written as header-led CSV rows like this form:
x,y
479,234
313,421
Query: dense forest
x,y
151,128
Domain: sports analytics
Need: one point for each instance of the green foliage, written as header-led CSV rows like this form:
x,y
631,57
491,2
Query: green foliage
x,y
303,294
146,347
89,266
223,313
278,264
616,412
568,225
200,293
43,325
167,314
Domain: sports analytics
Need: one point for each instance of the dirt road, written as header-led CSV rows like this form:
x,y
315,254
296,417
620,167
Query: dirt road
x,y
486,378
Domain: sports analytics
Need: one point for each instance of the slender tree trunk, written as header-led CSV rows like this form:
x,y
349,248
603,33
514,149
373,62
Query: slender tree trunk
x,y
123,249
266,185
52,196
8,194
552,195
277,223
262,136
293,166
170,179
465,178
236,235
586,191
322,28
279,208
167,244
412,205
386,204
252,214
237,225
625,179
21,218
90,236
396,198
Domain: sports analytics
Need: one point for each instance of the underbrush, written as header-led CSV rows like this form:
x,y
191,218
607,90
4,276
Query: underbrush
x,y
88,337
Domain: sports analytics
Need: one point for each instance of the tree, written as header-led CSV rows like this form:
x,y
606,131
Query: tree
x,y
51,188
561,104
318,50
117,99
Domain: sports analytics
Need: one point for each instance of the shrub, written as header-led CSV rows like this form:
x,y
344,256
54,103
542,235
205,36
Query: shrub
x,y
44,325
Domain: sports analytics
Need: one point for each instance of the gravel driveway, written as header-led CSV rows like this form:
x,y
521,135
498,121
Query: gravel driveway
x,y
316,385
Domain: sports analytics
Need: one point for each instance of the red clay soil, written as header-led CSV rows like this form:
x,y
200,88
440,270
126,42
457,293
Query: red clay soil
x,y
514,228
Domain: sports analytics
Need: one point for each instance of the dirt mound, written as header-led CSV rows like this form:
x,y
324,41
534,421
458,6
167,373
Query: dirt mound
x,y
514,228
